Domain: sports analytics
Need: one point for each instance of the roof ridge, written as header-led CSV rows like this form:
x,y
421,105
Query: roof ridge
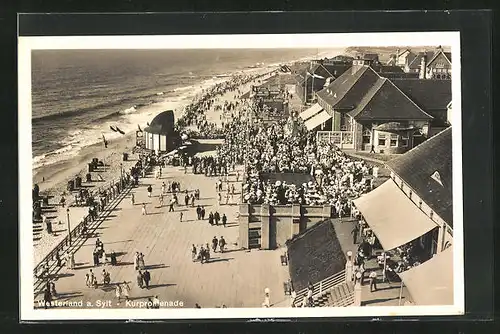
x,y
392,83
360,71
380,82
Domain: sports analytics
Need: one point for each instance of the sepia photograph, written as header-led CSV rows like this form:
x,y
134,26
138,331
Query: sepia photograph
x,y
308,175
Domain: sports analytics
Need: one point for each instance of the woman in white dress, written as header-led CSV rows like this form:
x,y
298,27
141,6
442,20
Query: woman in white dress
x,y
136,261
141,261
118,292
126,290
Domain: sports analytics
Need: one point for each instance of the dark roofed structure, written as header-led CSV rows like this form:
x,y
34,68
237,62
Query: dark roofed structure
x,y
415,60
385,102
348,89
314,255
163,123
427,169
428,94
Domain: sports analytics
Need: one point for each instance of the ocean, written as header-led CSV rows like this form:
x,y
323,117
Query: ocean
x,y
78,94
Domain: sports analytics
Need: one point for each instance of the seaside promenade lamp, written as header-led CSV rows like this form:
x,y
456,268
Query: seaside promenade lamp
x,y
69,227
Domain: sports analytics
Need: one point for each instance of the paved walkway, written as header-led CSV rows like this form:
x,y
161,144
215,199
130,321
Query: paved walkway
x,y
43,242
236,278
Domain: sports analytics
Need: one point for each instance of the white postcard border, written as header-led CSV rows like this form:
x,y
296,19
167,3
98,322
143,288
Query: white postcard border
x,y
325,40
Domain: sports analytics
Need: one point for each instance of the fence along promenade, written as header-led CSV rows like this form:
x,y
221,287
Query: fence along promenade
x,y
123,186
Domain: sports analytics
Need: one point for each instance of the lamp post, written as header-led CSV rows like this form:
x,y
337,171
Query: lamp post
x,y
69,226
121,175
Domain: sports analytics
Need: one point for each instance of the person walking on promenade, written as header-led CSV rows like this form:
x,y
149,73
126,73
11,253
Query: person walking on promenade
x,y
147,278
163,188
237,176
227,198
217,217
373,281
202,213
355,232
214,244
126,290
87,280
144,212
219,198
140,261
171,205
211,218
193,253
198,212
181,214
224,219
70,260
140,279
186,199
197,194
232,189
47,298
192,200
150,190
118,293
222,244
136,261
160,200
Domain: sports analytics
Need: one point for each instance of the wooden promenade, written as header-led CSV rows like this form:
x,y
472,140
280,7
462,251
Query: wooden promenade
x,y
236,278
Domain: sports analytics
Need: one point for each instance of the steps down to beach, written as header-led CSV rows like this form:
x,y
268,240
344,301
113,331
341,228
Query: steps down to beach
x,y
341,295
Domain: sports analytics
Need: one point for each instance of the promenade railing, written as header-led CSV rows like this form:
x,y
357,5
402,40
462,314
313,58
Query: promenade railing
x,y
112,198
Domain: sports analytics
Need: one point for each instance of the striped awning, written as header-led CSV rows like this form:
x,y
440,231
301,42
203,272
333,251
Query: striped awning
x,y
310,112
317,120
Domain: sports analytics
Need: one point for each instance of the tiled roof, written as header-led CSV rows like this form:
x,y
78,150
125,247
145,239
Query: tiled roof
x,y
428,94
417,166
347,90
389,69
314,255
384,101
414,60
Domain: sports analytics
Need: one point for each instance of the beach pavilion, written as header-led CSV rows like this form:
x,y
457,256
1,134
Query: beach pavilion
x,y
160,135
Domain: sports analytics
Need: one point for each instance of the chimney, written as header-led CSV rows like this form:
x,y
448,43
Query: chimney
x,y
423,67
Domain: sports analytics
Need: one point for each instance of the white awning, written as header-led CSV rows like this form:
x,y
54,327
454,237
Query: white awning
x,y
310,112
392,216
431,283
317,120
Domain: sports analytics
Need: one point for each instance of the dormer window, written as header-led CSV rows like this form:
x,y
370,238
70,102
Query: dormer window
x,y
431,214
420,204
410,194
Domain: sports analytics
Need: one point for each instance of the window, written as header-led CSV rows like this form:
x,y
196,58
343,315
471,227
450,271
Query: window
x,y
367,137
431,215
394,140
404,140
381,139
420,204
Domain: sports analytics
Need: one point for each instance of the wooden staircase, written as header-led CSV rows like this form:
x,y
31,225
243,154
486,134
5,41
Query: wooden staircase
x,y
332,291
339,296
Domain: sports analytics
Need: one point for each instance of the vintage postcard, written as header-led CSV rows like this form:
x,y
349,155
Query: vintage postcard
x,y
231,176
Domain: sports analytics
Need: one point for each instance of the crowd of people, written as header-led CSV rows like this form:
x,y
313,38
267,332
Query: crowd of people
x,y
195,113
287,147
202,252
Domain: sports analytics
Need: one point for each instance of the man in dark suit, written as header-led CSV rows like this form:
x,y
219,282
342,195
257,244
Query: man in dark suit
x,y
146,278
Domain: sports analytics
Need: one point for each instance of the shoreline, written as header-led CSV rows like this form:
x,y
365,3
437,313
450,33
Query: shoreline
x,y
53,178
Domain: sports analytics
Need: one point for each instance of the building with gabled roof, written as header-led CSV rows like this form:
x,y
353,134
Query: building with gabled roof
x,y
435,64
359,101
432,95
